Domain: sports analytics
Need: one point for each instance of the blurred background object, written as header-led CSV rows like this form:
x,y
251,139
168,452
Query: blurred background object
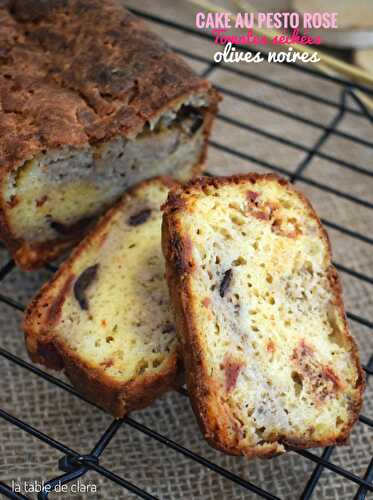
x,y
364,58
355,21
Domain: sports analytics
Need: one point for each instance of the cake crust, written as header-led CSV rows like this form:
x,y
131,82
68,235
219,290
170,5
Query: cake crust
x,y
77,73
44,346
214,418
56,91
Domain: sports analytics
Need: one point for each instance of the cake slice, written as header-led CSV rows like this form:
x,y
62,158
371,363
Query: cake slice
x,y
91,102
269,358
105,316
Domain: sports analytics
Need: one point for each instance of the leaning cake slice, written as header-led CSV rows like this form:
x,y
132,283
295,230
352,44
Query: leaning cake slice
x,y
105,316
269,359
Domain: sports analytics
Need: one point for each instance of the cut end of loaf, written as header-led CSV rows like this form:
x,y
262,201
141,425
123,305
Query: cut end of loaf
x,y
269,356
51,200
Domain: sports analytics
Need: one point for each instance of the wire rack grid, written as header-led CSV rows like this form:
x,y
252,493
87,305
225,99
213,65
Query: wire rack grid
x,y
73,465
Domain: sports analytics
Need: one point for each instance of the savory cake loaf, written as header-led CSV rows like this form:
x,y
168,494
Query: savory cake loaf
x,y
269,358
91,102
105,316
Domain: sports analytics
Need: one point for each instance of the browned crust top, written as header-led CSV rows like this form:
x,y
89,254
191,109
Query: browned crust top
x,y
177,248
74,72
176,198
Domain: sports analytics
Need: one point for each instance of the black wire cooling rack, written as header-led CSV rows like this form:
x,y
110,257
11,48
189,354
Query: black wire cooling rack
x,y
73,465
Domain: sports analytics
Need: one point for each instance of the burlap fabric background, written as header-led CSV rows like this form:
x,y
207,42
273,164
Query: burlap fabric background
x,y
141,460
